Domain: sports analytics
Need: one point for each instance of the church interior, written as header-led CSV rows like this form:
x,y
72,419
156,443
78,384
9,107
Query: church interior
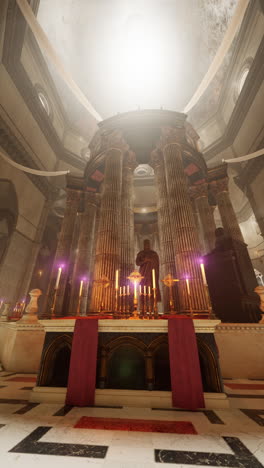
x,y
132,233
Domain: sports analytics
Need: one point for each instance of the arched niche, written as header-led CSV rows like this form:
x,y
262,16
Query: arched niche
x,y
126,367
209,368
8,214
56,362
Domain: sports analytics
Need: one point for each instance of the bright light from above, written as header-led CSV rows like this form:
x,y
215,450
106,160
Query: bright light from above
x,y
139,60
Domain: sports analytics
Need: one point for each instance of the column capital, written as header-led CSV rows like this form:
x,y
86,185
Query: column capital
x,y
199,191
73,195
156,158
171,135
219,186
130,161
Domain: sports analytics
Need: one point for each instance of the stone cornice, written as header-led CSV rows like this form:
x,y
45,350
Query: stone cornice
x,y
240,328
145,326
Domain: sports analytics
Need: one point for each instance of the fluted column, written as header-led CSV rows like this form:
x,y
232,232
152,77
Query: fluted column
x,y
82,267
127,216
63,253
108,247
167,257
200,195
185,238
229,220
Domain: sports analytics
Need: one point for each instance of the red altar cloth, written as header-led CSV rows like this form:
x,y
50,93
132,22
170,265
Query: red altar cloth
x,y
82,373
186,380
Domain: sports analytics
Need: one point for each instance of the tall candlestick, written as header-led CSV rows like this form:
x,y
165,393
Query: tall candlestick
x,y
149,291
58,278
124,290
81,288
135,290
203,274
140,289
153,279
188,286
128,290
116,279
145,290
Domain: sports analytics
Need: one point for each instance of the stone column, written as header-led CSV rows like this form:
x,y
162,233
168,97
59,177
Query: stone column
x,y
185,238
63,253
230,224
127,217
82,267
200,195
167,257
108,247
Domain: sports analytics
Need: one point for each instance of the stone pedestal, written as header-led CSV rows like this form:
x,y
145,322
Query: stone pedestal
x,y
31,311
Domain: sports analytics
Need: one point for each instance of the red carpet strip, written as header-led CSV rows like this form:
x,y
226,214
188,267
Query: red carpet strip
x,y
137,425
241,386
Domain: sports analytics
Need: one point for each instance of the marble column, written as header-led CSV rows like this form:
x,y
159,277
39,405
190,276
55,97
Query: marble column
x,y
63,254
82,266
127,217
167,257
200,195
108,246
185,238
229,220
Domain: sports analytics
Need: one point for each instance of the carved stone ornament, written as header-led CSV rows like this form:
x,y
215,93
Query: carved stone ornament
x,y
171,135
4,314
30,314
198,191
260,291
219,186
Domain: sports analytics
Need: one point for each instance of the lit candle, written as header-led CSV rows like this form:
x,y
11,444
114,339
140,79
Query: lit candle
x,y
128,290
58,278
140,289
188,286
149,291
203,274
135,289
145,290
81,288
153,279
124,290
120,290
116,279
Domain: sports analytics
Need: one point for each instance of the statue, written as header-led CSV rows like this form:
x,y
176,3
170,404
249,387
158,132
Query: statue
x,y
147,260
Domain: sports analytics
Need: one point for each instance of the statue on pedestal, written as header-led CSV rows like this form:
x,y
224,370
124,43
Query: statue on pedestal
x,y
148,260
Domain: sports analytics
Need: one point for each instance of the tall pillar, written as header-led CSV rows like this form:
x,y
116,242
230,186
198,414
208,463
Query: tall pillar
x,y
108,249
63,254
200,195
185,238
127,217
167,257
82,267
229,220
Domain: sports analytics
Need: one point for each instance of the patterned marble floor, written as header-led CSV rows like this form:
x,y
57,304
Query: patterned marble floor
x,y
40,434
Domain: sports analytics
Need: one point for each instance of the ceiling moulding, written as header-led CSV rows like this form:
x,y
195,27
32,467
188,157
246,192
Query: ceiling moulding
x,y
15,31
253,11
242,106
17,153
